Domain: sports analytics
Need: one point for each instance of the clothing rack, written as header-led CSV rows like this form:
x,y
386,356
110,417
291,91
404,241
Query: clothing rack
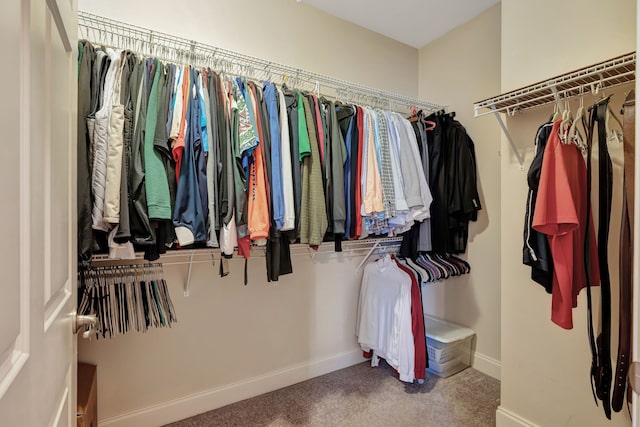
x,y
113,33
188,257
591,79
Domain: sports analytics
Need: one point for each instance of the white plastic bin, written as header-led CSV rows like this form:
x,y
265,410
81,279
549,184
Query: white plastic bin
x,y
448,346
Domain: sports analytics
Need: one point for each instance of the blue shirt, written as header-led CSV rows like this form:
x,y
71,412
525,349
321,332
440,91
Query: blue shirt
x,y
277,191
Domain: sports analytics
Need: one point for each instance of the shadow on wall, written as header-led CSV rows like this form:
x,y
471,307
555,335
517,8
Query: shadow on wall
x,y
448,296
482,223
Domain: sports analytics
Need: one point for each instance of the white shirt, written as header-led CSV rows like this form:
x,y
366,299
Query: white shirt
x,y
402,221
287,177
384,316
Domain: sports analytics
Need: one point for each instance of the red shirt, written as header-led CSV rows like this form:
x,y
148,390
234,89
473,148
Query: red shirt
x,y
358,195
561,214
417,325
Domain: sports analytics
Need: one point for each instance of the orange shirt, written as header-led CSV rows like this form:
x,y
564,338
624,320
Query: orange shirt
x,y
258,206
561,214
177,148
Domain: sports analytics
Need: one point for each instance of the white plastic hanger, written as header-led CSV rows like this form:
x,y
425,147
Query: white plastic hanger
x,y
574,133
565,125
557,108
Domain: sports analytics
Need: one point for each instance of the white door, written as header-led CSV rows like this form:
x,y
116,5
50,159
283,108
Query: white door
x,y
635,411
37,212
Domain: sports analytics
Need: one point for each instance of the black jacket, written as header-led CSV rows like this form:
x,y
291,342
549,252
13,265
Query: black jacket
x,y
85,233
536,252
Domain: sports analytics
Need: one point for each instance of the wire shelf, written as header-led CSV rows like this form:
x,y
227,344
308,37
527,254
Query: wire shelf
x,y
606,74
350,248
112,33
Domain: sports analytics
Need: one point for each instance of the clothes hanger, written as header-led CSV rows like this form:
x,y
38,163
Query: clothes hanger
x,y
611,113
575,136
567,121
425,274
438,271
453,269
573,130
403,262
557,108
415,115
430,124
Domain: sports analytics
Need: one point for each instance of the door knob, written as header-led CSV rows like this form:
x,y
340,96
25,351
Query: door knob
x,y
83,321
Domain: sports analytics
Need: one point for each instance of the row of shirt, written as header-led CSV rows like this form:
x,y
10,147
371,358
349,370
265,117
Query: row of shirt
x,y
450,167
173,155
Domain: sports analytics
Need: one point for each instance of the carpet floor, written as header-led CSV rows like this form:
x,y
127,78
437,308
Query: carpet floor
x,y
364,396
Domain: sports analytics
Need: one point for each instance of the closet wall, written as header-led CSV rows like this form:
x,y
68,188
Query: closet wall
x,y
231,341
545,370
457,69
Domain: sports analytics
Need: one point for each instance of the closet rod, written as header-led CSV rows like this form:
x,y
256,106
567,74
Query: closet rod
x,y
110,32
186,256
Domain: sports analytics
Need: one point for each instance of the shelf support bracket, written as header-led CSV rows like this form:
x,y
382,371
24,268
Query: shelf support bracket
x,y
187,283
519,155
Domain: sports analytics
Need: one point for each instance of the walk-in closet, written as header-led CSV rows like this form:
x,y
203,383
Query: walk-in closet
x,y
320,213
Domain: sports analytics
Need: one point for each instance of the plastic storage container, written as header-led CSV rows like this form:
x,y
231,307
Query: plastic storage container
x,y
448,346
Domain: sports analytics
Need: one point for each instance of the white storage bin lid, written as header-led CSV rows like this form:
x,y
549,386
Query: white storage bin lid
x,y
445,332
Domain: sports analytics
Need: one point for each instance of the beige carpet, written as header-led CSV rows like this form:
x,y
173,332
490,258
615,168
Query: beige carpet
x,y
365,396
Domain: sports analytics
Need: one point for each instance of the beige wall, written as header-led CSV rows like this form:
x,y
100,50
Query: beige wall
x,y
459,68
545,370
231,341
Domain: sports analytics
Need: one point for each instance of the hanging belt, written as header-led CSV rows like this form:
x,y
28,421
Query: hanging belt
x,y
626,258
601,372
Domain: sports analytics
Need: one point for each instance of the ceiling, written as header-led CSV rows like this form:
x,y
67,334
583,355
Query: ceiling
x,y
412,22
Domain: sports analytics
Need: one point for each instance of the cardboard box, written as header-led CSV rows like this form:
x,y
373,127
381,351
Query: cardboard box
x,y
87,395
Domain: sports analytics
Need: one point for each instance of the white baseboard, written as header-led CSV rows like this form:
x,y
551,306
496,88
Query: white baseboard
x,y
197,403
487,365
506,418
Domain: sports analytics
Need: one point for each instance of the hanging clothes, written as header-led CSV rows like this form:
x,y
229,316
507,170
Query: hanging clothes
x,y
212,160
536,252
189,215
125,299
84,174
141,233
101,142
561,213
384,323
313,221
289,221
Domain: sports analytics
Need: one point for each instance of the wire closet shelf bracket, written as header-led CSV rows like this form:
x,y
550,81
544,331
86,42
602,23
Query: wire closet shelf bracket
x,y
591,79
113,33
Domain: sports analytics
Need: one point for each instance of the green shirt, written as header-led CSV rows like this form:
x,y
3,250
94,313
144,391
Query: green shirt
x,y
157,186
303,132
